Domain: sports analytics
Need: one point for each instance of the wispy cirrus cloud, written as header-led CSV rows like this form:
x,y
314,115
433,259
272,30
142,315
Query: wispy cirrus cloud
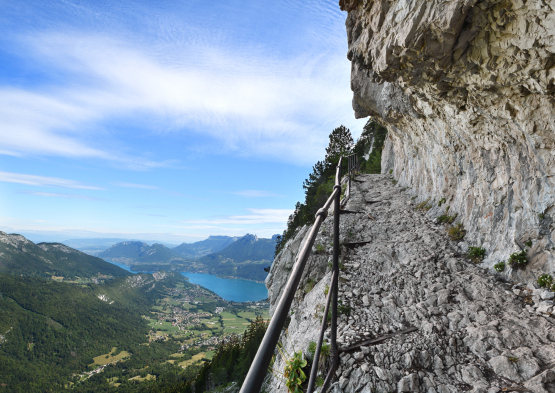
x,y
246,100
61,195
133,185
44,181
256,216
256,193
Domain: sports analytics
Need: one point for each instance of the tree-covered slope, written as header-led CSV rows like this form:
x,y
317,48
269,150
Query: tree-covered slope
x,y
51,330
204,247
21,256
139,252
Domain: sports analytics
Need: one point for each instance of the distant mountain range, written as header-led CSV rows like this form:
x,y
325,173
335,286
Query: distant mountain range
x,y
248,248
204,247
137,252
214,250
244,257
94,246
21,256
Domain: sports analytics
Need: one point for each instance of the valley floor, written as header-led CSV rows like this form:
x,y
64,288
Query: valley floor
x,y
475,330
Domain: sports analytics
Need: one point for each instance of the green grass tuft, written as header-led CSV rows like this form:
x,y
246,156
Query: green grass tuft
x,y
528,243
499,266
456,232
476,254
518,260
446,219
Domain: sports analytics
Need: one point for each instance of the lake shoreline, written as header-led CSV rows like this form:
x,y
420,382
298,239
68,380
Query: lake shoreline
x,y
234,289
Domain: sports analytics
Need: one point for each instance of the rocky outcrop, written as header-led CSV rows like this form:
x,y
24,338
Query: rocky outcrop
x,y
449,325
466,89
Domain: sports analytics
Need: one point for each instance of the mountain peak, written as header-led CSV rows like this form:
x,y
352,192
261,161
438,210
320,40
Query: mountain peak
x,y
250,238
13,239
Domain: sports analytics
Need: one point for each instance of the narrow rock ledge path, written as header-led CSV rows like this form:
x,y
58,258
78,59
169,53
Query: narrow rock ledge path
x,y
474,332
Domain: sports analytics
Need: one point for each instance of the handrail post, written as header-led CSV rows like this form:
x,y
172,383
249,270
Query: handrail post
x,y
350,168
333,333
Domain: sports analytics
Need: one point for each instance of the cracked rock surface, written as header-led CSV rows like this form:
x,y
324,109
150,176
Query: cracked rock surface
x,y
475,331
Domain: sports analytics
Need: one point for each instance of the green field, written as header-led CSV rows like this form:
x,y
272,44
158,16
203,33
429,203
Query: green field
x,y
148,377
108,358
252,314
193,360
234,323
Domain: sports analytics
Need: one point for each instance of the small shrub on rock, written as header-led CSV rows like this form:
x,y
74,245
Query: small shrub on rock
x,y
424,205
499,266
528,243
545,281
476,254
445,219
441,202
294,375
518,260
320,249
456,232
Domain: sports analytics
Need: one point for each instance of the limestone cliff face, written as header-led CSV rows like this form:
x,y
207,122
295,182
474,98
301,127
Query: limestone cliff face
x,y
466,89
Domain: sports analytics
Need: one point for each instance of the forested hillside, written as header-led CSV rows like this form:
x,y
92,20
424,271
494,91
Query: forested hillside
x,y
21,256
51,330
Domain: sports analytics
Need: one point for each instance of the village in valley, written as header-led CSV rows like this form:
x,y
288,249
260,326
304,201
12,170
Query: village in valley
x,y
201,320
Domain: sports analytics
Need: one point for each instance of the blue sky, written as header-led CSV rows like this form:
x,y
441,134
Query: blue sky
x,y
166,120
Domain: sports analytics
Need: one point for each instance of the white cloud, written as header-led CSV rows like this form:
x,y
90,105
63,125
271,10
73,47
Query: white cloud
x,y
257,216
250,102
57,195
256,193
132,185
44,181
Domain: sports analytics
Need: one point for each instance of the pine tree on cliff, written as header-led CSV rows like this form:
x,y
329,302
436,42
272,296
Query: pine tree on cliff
x,y
341,144
319,184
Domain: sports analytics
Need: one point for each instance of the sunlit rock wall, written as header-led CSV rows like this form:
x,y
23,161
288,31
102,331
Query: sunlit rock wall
x,y
466,89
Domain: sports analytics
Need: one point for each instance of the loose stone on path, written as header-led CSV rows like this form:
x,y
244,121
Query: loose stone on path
x,y
474,332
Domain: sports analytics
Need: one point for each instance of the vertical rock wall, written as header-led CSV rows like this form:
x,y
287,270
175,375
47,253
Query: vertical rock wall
x,y
466,90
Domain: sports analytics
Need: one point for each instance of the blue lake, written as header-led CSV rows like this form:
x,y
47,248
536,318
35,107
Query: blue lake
x,y
232,289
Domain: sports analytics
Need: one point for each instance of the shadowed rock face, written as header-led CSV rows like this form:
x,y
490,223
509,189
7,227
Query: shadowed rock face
x,y
466,89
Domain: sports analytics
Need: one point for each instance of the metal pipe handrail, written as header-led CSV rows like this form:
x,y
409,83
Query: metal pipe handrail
x,y
316,358
257,372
